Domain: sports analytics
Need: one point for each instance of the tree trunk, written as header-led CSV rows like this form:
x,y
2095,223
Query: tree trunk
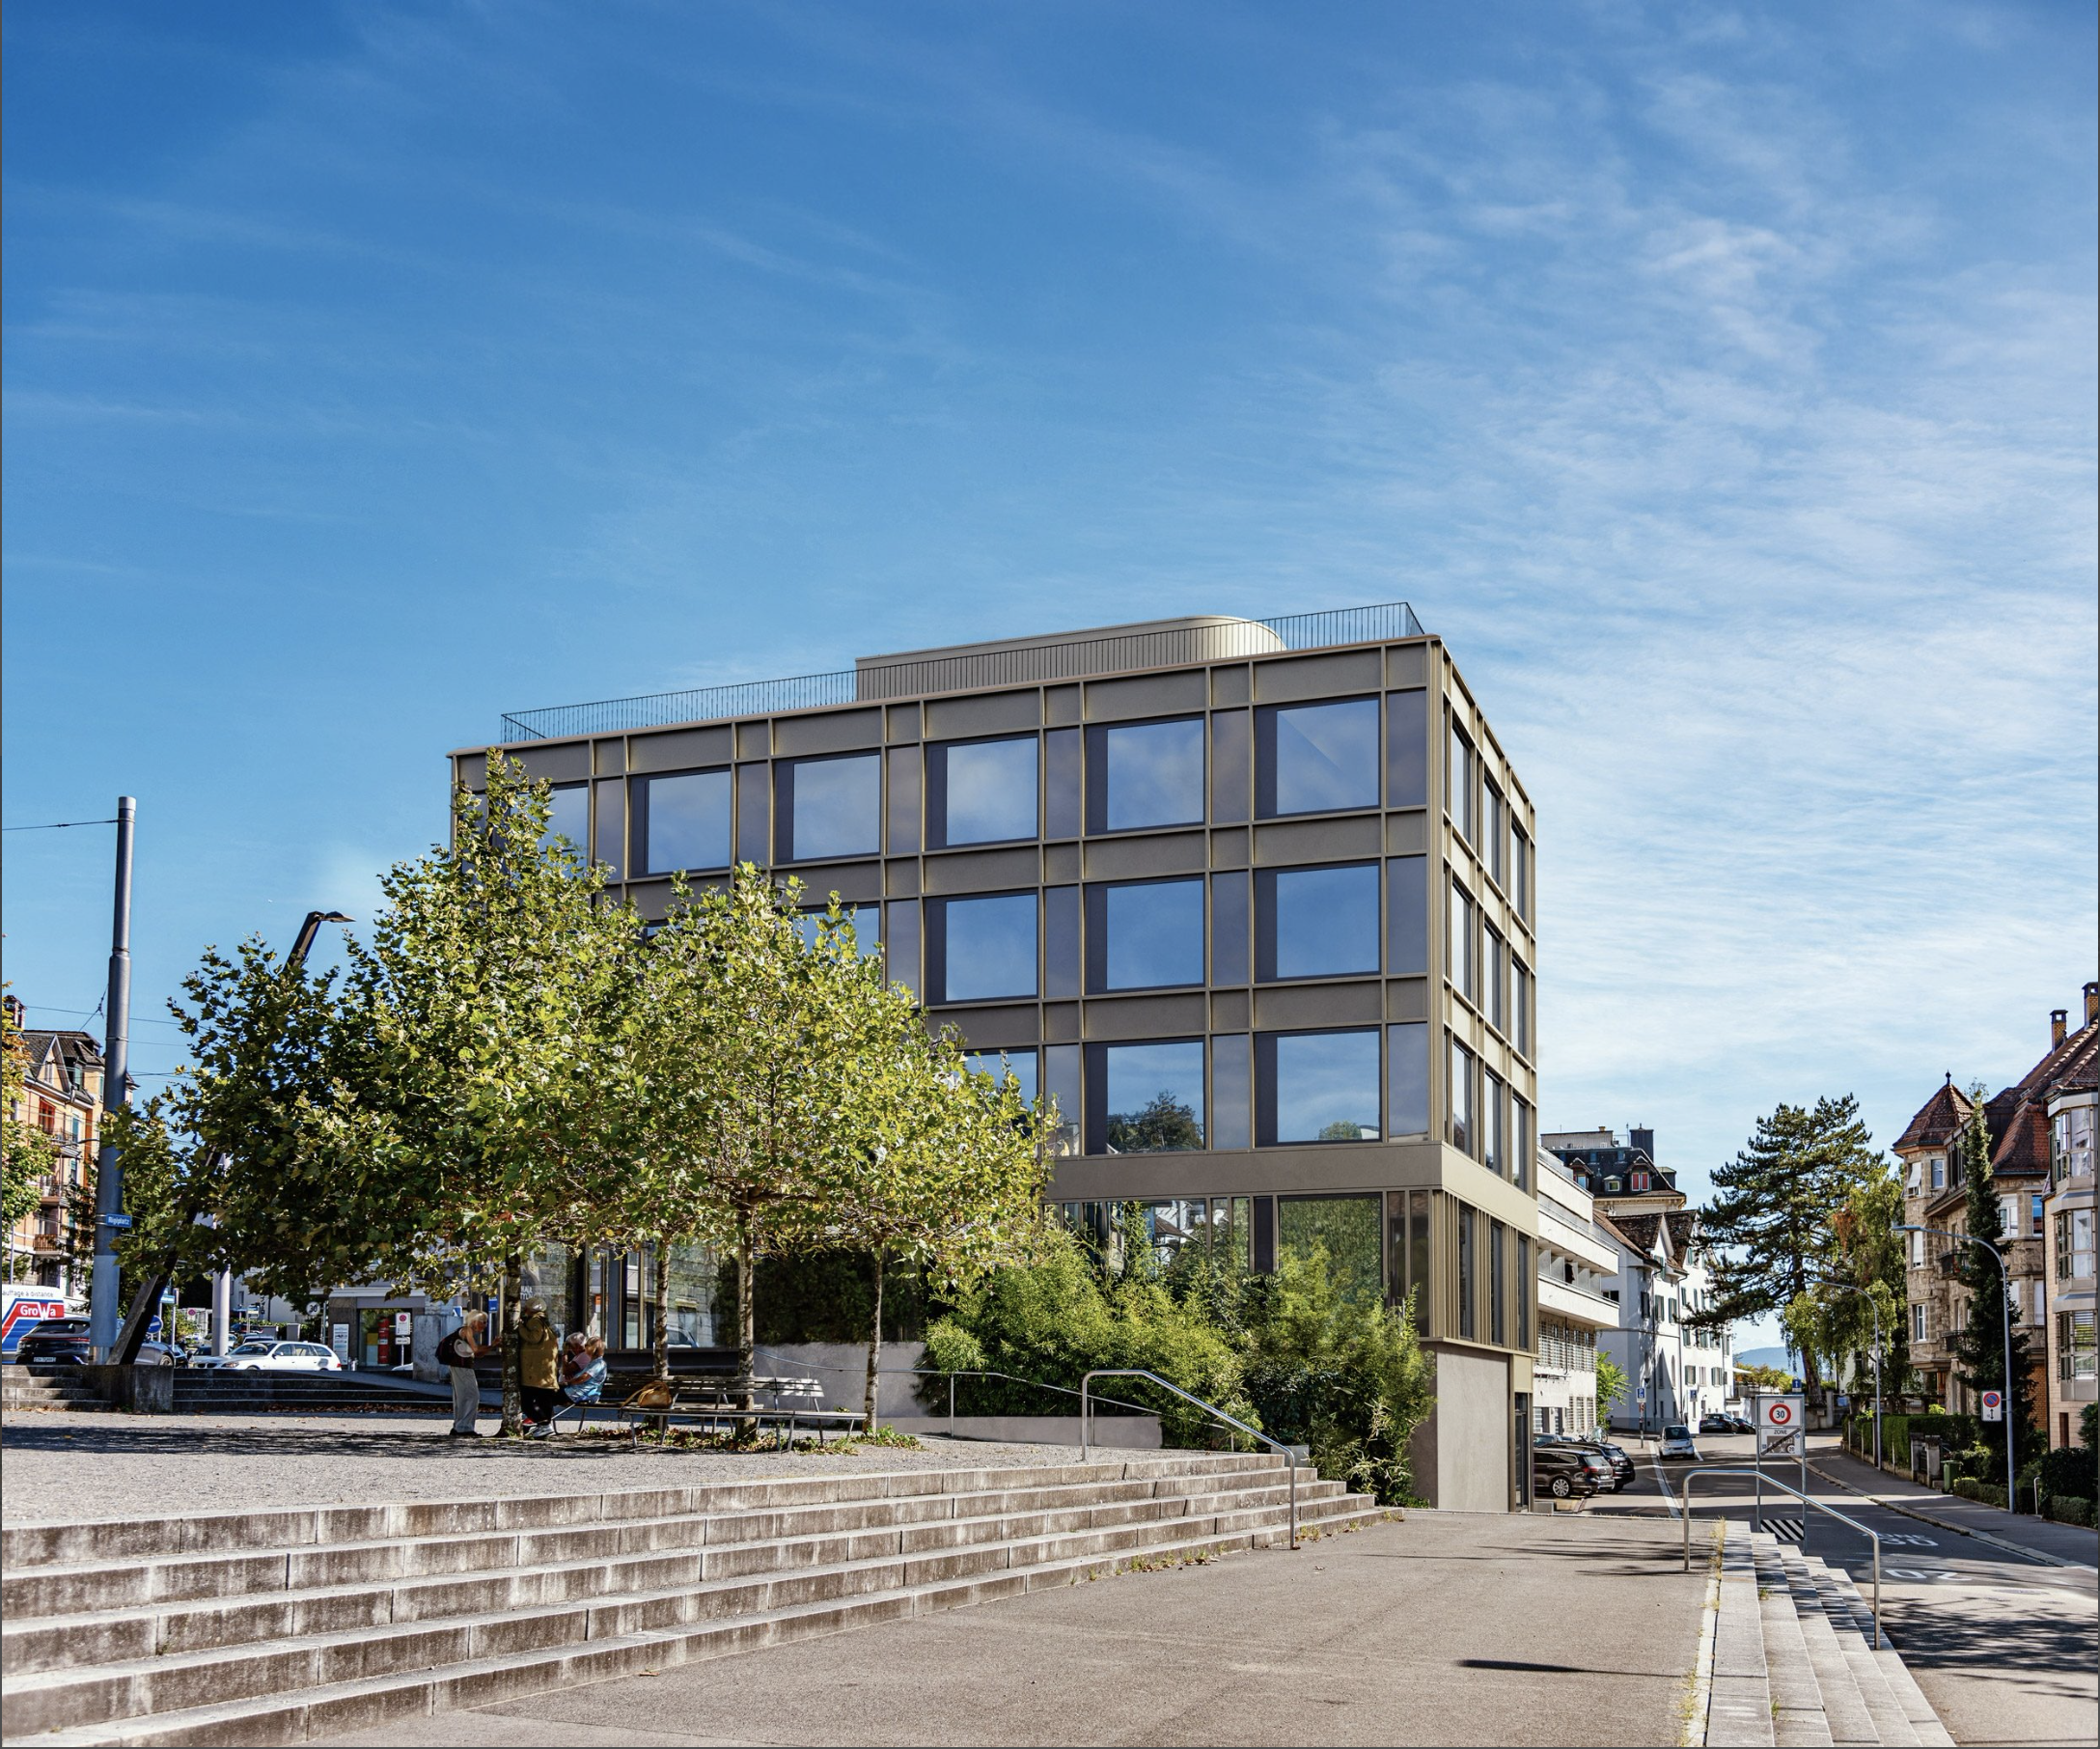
x,y
663,1309
747,1324
874,1347
514,1345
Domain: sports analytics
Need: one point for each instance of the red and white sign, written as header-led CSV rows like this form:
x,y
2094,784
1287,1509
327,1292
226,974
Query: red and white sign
x,y
1780,1415
1994,1406
1778,1423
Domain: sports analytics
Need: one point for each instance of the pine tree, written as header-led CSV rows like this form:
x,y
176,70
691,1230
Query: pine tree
x,y
1980,1347
1773,1221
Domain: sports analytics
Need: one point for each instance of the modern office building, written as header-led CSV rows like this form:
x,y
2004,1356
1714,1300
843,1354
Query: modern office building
x,y
1252,899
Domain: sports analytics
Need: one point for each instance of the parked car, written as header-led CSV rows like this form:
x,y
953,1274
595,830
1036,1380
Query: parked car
x,y
1677,1443
1618,1466
1621,1465
162,1354
261,1355
55,1341
1564,1472
1717,1424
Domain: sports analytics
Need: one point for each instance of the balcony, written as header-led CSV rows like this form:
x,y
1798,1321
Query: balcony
x,y
1581,1304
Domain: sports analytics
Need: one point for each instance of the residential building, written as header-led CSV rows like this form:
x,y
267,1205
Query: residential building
x,y
1577,1259
1252,900
62,1095
2020,1122
1677,1354
2070,1216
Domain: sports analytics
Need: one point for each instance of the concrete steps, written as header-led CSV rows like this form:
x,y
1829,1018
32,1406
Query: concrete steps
x,y
48,1388
221,1391
277,1625
1818,1674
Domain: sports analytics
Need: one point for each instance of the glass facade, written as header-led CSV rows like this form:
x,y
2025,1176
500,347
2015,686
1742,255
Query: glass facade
x,y
1145,1099
1461,954
684,819
1062,763
980,791
1460,786
1317,1086
982,950
1408,749
1407,1079
1229,927
1144,934
1145,774
1316,923
1315,758
1230,768
1345,1229
998,1063
1461,1130
569,817
1407,916
867,922
1231,1092
1061,942
828,807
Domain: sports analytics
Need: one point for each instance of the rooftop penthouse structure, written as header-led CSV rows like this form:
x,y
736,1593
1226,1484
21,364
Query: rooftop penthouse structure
x,y
1251,899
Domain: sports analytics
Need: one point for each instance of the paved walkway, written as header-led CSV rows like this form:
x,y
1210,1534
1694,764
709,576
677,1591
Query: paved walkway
x,y
1444,1628
59,1465
2071,1544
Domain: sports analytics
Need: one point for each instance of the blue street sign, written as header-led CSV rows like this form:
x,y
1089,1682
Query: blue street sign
x,y
117,1221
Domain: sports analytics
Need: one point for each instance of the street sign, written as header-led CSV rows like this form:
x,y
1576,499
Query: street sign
x,y
1779,1423
404,1325
1641,1395
121,1222
1994,1406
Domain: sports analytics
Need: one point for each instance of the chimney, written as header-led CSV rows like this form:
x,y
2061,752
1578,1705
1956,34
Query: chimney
x,y
1644,1140
2056,1027
15,1016
2092,1003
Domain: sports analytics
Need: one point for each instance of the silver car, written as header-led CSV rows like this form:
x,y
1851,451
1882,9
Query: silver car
x,y
1677,1443
260,1354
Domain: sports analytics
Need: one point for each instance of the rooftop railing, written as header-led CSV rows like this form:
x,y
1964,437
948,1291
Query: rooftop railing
x,y
1056,661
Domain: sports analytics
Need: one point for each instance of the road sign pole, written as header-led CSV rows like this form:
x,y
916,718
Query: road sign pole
x,y
103,1305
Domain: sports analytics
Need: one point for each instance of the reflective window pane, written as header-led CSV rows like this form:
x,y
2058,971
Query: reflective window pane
x,y
1061,1089
1145,1099
1229,927
1520,874
980,791
982,948
1231,772
1316,923
1317,1086
1145,774
1497,981
1061,941
1231,1092
1408,749
1459,785
569,816
1144,934
1493,833
1459,1099
1061,766
1494,1150
1020,1064
1407,916
904,800
1345,1228
1312,759
684,821
830,807
1407,1078
866,919
1461,954
754,815
900,957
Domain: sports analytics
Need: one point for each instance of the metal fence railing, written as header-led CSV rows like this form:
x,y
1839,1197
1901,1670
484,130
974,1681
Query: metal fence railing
x,y
1050,660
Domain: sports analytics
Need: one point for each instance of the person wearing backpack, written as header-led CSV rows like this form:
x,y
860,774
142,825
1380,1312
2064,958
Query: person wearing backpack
x,y
457,1353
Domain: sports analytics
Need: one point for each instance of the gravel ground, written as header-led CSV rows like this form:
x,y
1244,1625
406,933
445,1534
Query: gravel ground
x,y
59,1467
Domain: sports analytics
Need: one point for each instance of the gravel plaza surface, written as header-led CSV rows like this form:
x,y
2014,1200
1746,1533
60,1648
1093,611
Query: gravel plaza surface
x,y
63,1466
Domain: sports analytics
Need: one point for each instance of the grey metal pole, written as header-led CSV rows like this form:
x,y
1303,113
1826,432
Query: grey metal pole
x,y
222,1311
104,1304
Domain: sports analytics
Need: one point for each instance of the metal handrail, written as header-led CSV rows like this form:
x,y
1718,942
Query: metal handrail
x,y
1086,1423
1874,1537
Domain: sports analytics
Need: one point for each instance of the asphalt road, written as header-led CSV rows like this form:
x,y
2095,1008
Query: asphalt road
x,y
2006,1648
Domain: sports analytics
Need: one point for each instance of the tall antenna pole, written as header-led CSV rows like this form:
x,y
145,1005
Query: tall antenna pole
x,y
104,1308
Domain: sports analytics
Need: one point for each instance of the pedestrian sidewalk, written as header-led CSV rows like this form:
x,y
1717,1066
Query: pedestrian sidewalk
x,y
2068,1544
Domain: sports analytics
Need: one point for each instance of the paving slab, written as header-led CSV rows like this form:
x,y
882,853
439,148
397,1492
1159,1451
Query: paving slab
x,y
1442,1628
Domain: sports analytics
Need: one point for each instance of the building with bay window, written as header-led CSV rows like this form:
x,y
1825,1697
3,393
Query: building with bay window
x,y
1252,900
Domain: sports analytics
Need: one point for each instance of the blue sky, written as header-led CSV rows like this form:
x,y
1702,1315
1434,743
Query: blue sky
x,y
1719,382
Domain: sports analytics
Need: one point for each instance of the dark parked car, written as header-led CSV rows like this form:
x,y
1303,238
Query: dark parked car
x,y
1717,1424
1566,1472
55,1341
1616,1454
1618,1466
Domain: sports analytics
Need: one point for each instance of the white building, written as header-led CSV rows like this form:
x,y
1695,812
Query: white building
x,y
1575,1260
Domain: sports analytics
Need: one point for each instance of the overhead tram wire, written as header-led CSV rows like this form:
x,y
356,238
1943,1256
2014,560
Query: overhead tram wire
x,y
60,826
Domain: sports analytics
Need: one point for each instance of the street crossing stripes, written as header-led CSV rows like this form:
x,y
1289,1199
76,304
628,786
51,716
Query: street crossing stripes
x,y
1786,1530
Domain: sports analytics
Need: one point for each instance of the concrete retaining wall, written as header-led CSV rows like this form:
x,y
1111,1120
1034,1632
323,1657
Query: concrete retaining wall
x,y
1117,1432
148,1390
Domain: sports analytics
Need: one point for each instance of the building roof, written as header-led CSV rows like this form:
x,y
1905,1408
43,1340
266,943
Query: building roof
x,y
60,1061
1939,1119
2020,1138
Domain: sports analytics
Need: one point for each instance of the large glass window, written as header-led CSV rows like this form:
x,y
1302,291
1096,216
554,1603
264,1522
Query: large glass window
x,y
1062,762
1494,1131
1316,923
1498,982
1229,763
1407,915
569,816
867,922
1144,934
1345,1228
1493,819
1407,1079
1020,1064
1314,758
1408,749
1459,1099
980,950
1317,1086
1461,954
1145,774
1145,1099
1459,786
980,791
829,807
1229,925
684,819
1231,1092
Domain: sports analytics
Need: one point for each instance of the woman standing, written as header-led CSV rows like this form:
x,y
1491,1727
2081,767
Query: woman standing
x,y
456,1353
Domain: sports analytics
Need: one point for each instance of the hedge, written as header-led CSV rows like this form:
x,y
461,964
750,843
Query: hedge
x,y
2068,1509
1982,1491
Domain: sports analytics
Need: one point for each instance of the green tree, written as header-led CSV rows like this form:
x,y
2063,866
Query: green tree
x,y
1771,1223
1979,1350
1868,1281
1613,1387
501,990
1162,1124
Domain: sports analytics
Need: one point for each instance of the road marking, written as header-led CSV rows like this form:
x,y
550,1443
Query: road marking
x,y
1917,1574
1910,1542
1662,1482
1786,1530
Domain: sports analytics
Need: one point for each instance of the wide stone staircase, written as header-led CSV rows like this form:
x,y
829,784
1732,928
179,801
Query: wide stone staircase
x,y
1797,1660
221,1391
47,1388
281,1625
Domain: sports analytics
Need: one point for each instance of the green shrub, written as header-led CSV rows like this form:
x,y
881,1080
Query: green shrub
x,y
2068,1509
2068,1470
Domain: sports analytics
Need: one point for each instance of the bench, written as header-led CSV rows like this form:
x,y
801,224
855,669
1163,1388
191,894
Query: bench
x,y
711,1401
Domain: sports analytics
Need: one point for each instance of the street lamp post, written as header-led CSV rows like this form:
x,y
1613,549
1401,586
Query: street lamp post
x,y
2004,1310
1873,1306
